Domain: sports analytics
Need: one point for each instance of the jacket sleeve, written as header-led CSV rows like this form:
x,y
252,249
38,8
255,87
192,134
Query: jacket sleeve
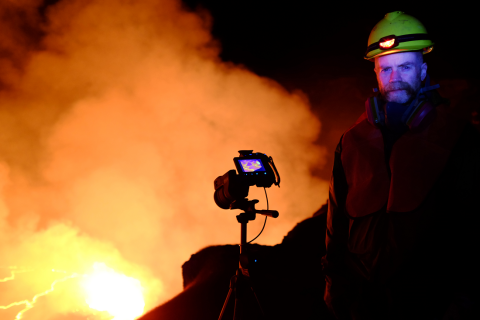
x,y
337,219
337,290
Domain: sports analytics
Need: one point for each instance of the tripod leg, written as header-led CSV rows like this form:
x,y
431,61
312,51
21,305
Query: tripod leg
x,y
239,297
233,282
241,293
237,308
258,302
225,304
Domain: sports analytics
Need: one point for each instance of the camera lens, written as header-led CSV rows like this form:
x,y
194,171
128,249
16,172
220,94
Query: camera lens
x,y
221,200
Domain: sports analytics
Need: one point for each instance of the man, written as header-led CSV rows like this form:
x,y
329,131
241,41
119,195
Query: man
x,y
404,194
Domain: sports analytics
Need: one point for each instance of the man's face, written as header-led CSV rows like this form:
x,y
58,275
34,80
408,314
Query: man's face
x,y
400,75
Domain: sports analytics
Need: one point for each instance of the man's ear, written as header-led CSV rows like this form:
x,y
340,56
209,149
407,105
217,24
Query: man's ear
x,y
424,71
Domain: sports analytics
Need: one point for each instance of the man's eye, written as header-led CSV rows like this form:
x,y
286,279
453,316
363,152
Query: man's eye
x,y
386,70
406,67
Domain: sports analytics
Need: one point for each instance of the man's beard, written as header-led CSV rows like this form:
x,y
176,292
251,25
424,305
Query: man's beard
x,y
390,94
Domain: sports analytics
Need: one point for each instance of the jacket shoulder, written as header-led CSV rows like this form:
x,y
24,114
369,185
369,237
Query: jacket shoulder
x,y
363,118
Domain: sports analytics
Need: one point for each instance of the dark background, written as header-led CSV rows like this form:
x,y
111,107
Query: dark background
x,y
303,40
317,47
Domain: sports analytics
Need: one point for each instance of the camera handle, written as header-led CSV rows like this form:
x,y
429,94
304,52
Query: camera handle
x,y
275,171
241,280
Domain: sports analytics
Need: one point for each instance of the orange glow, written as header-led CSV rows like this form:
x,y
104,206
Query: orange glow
x,y
29,304
119,295
387,44
13,271
116,118
104,290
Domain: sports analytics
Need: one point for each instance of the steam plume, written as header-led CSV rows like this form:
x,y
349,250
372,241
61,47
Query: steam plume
x,y
116,117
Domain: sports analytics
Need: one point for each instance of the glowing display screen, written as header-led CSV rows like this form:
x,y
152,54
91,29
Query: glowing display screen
x,y
251,165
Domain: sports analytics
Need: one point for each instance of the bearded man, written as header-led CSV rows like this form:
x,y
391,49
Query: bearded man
x,y
404,194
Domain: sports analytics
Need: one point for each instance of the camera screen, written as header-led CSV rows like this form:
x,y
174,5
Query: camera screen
x,y
251,165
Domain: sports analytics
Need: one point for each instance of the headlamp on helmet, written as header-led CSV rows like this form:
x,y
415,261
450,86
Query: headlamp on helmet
x,y
397,32
388,42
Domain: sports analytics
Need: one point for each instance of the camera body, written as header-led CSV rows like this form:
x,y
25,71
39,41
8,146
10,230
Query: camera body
x,y
253,169
256,169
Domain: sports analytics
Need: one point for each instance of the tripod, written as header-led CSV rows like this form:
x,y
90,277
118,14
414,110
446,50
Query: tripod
x,y
241,280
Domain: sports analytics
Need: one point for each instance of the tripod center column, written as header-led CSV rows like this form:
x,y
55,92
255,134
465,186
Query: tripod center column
x,y
243,237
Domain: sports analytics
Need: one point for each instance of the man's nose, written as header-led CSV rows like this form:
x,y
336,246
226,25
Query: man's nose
x,y
395,76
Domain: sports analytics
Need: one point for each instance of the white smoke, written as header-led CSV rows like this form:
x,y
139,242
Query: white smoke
x,y
114,128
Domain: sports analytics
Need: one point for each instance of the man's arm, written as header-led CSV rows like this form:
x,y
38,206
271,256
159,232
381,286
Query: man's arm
x,y
337,219
337,285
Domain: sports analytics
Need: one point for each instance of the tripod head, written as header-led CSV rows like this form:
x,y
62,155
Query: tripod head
x,y
249,211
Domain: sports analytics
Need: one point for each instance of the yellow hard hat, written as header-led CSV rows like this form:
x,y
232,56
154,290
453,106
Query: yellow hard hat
x,y
397,32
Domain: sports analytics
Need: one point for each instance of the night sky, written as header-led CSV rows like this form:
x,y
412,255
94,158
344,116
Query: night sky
x,y
318,47
311,39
